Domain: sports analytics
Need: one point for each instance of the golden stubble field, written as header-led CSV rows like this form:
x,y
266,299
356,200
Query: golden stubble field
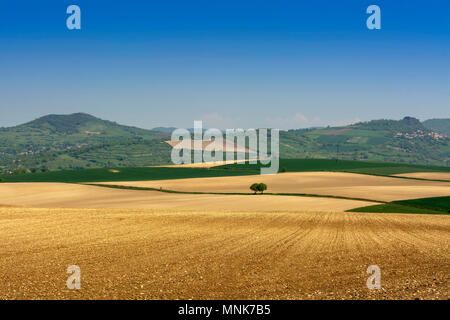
x,y
64,195
427,175
322,183
171,254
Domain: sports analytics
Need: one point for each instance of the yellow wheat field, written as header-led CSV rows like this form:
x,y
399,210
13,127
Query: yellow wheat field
x,y
64,195
322,183
427,175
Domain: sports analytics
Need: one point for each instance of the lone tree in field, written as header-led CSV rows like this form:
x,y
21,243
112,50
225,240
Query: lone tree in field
x,y
261,187
254,187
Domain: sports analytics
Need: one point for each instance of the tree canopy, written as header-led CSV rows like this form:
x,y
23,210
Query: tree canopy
x,y
258,187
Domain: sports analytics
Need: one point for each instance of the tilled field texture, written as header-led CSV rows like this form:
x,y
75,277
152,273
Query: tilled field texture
x,y
156,254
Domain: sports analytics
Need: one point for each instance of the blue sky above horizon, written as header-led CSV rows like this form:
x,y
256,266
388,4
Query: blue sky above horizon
x,y
285,64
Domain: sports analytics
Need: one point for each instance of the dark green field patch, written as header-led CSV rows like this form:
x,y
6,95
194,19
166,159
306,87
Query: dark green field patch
x,y
435,205
163,173
394,208
364,167
332,139
123,174
386,171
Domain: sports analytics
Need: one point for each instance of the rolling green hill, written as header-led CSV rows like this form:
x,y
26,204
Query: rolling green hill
x,y
78,141
404,141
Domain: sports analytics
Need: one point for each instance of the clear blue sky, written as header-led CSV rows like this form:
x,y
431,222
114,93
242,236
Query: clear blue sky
x,y
234,63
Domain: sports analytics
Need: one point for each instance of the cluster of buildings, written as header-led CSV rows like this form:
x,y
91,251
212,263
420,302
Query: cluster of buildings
x,y
422,134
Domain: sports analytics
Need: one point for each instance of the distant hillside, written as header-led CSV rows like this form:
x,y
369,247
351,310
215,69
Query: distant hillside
x,y
79,140
67,124
74,127
404,141
438,125
168,130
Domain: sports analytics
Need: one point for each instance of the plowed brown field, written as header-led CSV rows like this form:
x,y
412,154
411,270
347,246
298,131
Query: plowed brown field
x,y
155,254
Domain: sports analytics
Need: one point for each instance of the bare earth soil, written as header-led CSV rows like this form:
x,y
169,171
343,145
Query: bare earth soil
x,y
134,244
323,183
156,254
